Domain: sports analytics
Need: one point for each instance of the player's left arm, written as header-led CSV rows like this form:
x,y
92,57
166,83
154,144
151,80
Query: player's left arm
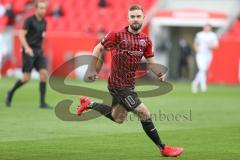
x,y
155,68
97,61
151,62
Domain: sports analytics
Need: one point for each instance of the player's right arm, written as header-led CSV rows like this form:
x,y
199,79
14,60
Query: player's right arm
x,y
195,46
196,41
96,62
22,37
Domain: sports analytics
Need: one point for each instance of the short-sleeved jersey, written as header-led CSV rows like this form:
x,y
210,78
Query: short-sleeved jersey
x,y
205,40
127,50
35,31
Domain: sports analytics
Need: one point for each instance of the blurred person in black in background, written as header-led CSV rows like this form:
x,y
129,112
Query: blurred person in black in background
x,y
102,3
57,11
10,14
31,37
184,53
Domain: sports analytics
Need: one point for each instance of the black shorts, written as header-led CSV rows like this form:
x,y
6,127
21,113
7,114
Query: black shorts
x,y
126,97
37,61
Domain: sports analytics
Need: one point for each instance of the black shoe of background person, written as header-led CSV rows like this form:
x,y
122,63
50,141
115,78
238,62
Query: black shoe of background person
x,y
8,99
45,106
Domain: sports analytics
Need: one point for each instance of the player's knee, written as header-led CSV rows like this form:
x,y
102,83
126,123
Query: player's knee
x,y
43,75
119,118
25,78
43,78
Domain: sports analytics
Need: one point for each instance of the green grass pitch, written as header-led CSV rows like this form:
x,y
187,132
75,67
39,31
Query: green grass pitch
x,y
212,133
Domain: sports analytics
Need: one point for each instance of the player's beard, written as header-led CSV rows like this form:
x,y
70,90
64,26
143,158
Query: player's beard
x,y
42,15
136,26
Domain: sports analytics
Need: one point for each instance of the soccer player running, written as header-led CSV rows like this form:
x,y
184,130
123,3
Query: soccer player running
x,y
31,37
205,42
128,46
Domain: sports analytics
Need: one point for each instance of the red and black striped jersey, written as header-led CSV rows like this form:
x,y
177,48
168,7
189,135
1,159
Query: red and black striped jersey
x,y
127,50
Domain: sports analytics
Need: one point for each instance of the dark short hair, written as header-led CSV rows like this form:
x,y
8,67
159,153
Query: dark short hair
x,y
135,7
39,1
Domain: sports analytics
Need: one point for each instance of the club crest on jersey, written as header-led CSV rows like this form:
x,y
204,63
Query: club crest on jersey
x,y
142,43
124,44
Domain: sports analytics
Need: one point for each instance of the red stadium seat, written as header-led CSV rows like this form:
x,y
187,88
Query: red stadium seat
x,y
4,2
19,6
86,16
3,21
